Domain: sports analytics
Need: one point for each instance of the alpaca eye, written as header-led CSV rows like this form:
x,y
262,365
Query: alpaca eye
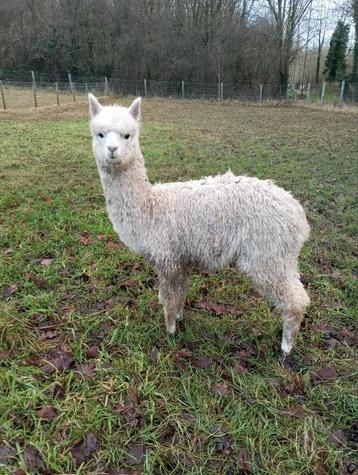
x,y
126,136
100,135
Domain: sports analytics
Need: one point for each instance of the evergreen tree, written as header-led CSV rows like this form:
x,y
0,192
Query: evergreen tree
x,y
335,65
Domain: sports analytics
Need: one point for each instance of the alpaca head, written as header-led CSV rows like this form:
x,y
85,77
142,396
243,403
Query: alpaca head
x,y
115,132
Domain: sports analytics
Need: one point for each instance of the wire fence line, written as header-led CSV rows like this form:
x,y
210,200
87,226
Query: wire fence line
x,y
41,91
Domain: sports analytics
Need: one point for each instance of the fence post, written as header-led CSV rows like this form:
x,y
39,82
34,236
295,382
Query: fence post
x,y
57,96
105,86
86,88
183,90
308,91
222,91
97,87
71,87
323,90
260,93
34,87
342,93
2,96
145,86
219,90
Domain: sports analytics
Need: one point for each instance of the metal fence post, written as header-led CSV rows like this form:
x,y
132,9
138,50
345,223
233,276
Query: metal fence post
x,y
182,90
342,93
57,96
86,88
71,87
222,91
105,86
260,93
219,90
2,96
323,90
145,86
308,91
34,87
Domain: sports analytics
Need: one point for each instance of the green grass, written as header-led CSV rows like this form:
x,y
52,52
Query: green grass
x,y
93,294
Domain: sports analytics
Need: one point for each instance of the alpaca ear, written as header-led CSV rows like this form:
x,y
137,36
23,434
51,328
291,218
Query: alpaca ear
x,y
94,106
134,109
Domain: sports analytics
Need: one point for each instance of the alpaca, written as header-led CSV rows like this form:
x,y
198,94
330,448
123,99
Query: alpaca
x,y
209,223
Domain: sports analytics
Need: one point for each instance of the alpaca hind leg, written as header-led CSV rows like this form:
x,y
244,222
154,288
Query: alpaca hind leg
x,y
172,294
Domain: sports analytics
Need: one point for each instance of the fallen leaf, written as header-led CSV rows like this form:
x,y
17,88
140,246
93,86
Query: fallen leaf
x,y
132,395
295,411
114,246
46,262
92,352
7,291
240,369
85,371
129,412
47,412
33,460
218,308
296,387
202,362
136,455
61,358
223,444
220,389
83,450
19,471
86,239
323,374
7,455
153,355
245,462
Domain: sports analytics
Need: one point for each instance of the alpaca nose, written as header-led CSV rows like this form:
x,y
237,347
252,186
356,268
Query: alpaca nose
x,y
112,148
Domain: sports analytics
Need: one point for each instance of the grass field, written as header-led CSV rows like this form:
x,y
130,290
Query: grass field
x,y
89,381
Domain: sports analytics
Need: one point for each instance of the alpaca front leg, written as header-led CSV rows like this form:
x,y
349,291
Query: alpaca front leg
x,y
172,293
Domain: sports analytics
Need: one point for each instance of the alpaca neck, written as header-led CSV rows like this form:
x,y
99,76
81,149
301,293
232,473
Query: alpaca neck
x,y
128,196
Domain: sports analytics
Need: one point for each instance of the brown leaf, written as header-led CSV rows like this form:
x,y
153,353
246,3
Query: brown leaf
x,y
202,362
136,455
129,412
348,336
46,262
92,352
296,387
114,246
47,412
220,389
184,353
320,469
86,239
295,411
85,371
338,438
219,308
19,471
33,460
132,395
240,369
7,291
61,358
245,462
323,374
83,450
153,355
223,444
7,455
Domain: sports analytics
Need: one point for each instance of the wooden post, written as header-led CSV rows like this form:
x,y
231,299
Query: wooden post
x,y
57,96
219,90
323,90
105,86
2,96
260,92
86,88
183,90
308,92
342,93
72,87
145,86
34,87
222,91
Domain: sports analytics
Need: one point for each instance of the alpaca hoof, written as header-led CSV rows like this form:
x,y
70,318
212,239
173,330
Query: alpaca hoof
x,y
179,317
171,329
283,357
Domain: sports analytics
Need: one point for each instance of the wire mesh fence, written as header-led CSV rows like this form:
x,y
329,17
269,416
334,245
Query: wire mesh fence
x,y
42,91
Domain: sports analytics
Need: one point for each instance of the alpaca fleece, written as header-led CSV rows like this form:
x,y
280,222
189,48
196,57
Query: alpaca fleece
x,y
209,223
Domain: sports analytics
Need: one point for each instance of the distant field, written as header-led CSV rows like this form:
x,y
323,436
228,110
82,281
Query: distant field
x,y
90,383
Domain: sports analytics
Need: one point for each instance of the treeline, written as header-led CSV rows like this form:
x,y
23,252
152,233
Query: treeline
x,y
196,40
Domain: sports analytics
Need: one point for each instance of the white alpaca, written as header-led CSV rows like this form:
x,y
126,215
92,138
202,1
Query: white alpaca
x,y
208,223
